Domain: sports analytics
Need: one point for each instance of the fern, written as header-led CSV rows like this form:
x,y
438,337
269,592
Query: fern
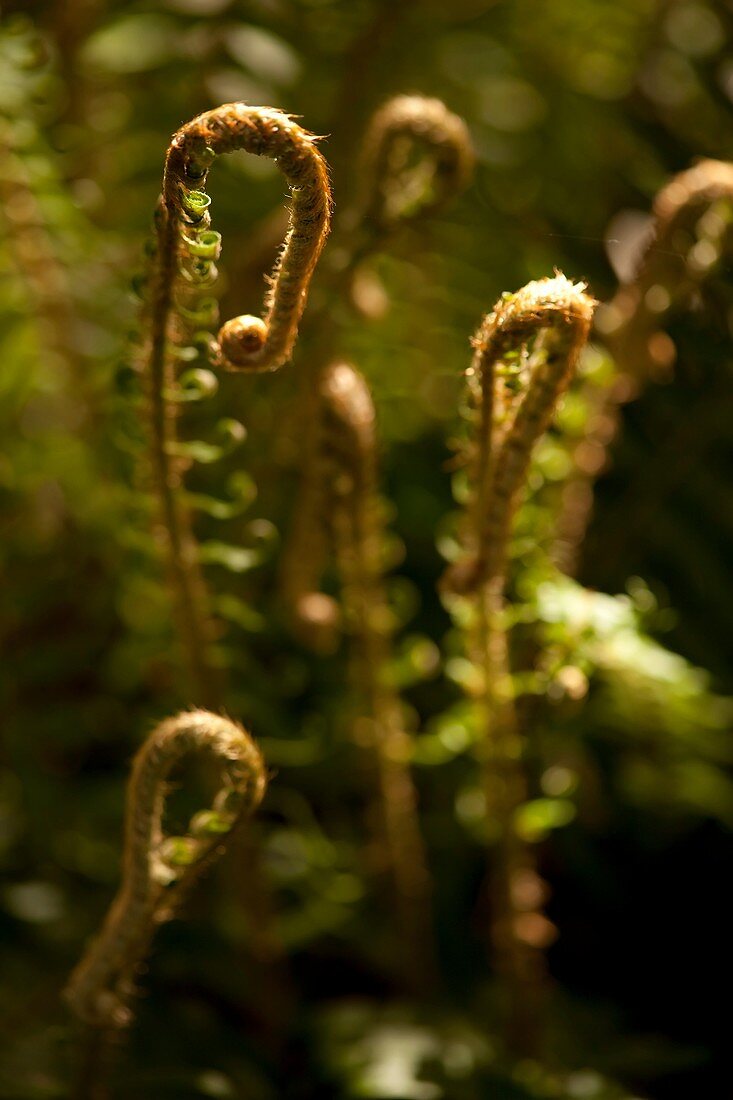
x,y
524,355
158,870
179,318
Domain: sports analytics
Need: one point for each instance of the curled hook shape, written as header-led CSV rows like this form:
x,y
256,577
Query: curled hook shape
x,y
515,402
340,478
180,316
689,238
399,190
158,870
417,155
250,343
688,243
358,534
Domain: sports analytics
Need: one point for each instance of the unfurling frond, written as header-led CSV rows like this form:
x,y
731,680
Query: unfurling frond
x,y
417,155
248,342
159,869
516,391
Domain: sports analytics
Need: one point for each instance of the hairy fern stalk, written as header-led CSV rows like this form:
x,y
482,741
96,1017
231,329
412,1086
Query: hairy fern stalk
x,y
180,316
525,352
159,870
357,532
416,157
692,220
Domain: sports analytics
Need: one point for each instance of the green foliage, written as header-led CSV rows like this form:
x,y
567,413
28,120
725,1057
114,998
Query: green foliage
x,y
579,114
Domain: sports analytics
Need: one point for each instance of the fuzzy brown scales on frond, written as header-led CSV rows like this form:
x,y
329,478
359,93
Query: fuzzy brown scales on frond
x,y
417,155
397,189
524,355
248,342
157,870
693,216
350,430
516,389
180,322
341,475
688,242
349,448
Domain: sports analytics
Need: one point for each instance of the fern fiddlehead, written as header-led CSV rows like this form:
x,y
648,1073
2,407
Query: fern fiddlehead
x,y
691,235
180,319
515,397
158,871
416,157
525,352
691,229
357,533
247,342
395,189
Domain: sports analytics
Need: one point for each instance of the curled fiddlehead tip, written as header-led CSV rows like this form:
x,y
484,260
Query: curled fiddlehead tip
x,y
515,391
343,450
690,224
181,317
241,341
705,182
316,619
556,303
349,404
358,534
417,156
247,342
158,869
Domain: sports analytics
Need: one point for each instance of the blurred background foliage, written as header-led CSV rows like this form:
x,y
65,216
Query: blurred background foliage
x,y
580,111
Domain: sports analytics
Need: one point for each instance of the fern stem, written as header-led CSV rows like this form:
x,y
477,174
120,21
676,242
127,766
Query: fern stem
x,y
691,235
358,535
244,343
158,871
395,193
515,392
248,342
182,552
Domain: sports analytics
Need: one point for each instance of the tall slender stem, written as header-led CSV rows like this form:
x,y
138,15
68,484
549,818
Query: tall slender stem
x,y
394,193
158,871
192,604
244,343
515,390
358,536
691,235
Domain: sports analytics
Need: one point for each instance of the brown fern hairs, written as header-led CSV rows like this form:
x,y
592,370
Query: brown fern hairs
x,y
525,352
159,870
395,188
247,342
183,265
515,396
416,156
690,237
357,531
